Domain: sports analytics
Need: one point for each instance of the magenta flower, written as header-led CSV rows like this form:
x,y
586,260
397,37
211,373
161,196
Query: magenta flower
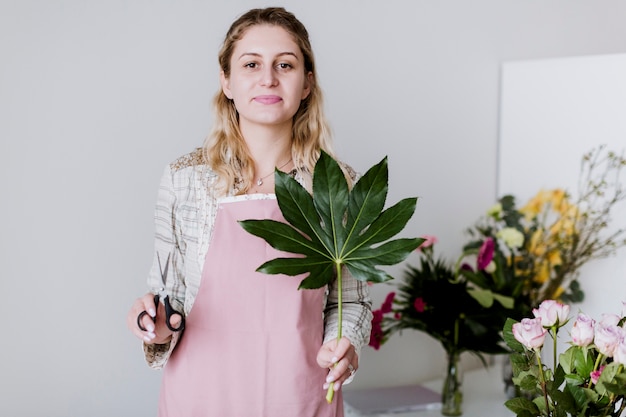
x,y
419,305
485,254
376,336
388,303
595,375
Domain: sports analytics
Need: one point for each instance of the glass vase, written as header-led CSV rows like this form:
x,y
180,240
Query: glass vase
x,y
452,394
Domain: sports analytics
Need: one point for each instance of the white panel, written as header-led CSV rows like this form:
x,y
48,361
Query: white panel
x,y
552,112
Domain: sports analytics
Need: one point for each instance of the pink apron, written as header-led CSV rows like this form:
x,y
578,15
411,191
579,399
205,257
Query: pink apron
x,y
251,339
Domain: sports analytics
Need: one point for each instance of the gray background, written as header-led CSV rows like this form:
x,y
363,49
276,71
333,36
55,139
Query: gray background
x,y
97,96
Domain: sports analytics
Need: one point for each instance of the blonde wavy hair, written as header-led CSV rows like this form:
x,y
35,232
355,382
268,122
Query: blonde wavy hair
x,y
225,149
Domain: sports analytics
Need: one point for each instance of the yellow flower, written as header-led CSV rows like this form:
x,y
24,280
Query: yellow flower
x,y
558,200
535,205
542,273
554,258
536,246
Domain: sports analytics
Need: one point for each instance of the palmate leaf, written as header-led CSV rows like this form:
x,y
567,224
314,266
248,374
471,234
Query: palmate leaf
x,y
337,225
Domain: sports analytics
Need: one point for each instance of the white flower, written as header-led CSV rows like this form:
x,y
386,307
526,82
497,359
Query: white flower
x,y
513,238
495,211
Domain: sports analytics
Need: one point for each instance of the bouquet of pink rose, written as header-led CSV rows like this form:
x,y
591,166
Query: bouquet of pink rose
x,y
588,379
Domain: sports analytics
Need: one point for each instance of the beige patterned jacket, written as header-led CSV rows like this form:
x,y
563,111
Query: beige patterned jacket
x,y
184,218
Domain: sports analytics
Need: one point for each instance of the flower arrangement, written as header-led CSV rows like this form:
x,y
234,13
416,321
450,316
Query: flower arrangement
x,y
438,299
588,379
537,250
435,298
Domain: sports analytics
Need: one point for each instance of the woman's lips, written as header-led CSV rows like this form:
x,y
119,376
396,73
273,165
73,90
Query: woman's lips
x,y
267,99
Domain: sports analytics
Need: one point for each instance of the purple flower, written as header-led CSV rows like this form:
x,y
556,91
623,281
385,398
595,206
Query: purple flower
x,y
485,254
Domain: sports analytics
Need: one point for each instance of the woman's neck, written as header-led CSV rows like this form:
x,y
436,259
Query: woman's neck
x,y
269,146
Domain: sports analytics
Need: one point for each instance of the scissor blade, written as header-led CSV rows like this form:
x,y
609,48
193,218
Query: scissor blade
x,y
167,265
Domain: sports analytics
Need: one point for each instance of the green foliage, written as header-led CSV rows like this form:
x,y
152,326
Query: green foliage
x,y
336,226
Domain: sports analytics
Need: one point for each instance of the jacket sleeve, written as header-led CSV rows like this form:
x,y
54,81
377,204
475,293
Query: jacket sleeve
x,y
357,311
167,242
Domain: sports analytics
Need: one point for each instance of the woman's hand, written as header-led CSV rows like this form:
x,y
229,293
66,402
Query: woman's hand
x,y
342,360
157,331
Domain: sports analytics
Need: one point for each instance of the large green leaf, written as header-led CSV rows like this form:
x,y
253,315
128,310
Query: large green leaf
x,y
330,191
336,225
296,206
388,224
367,198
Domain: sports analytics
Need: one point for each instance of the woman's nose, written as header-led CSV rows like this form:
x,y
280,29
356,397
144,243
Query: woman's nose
x,y
268,77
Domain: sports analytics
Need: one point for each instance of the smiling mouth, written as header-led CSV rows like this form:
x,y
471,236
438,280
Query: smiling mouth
x,y
267,99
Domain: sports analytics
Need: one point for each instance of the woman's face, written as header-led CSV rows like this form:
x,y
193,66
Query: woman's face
x,y
267,78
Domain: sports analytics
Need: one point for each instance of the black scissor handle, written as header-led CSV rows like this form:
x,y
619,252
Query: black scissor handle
x,y
145,313
169,313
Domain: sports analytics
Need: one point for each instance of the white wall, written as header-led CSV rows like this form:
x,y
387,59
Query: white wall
x,y
555,110
97,96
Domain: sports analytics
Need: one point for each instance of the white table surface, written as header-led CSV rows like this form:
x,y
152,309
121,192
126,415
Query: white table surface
x,y
483,395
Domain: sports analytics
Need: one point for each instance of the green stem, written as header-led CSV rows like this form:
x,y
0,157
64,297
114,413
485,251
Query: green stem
x,y
543,381
555,330
331,391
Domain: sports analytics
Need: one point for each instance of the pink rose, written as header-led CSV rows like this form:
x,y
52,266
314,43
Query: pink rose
x,y
530,333
583,330
610,319
552,313
430,240
619,355
607,337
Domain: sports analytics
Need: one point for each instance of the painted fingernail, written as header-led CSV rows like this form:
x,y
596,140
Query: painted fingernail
x,y
150,328
152,312
336,386
325,386
333,360
330,378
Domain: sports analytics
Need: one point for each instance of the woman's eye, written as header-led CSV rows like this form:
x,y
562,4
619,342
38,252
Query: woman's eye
x,y
284,65
251,65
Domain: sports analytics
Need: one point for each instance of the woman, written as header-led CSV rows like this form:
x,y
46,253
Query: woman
x,y
253,344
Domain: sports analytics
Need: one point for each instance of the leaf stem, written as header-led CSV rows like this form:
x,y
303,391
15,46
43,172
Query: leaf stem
x,y
543,381
331,391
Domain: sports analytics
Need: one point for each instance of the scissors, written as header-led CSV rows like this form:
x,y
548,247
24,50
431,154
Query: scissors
x,y
162,295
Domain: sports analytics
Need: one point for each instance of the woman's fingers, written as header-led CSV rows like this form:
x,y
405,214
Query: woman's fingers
x,y
343,362
137,317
